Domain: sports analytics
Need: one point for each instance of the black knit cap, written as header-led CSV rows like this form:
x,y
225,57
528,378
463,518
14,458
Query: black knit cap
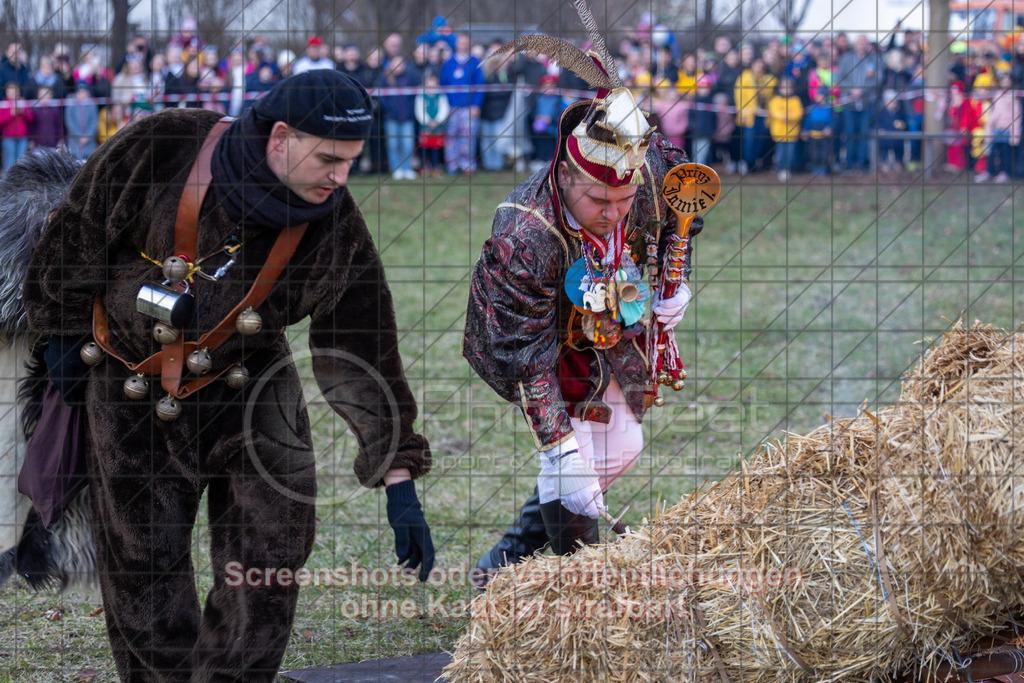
x,y
323,102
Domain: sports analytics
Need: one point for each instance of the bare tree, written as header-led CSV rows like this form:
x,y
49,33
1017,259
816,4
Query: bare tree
x,y
936,81
9,19
791,14
117,41
368,22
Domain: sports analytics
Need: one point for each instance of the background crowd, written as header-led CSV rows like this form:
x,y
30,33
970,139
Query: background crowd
x,y
831,104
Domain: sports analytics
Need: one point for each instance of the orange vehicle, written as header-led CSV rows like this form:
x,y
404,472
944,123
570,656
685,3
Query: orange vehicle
x,y
986,21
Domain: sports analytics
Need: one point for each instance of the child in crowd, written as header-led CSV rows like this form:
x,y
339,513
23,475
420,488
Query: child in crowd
x,y
47,128
785,116
703,121
752,91
1002,130
673,113
725,124
817,132
964,117
112,119
81,121
915,114
546,113
431,108
980,98
15,118
891,123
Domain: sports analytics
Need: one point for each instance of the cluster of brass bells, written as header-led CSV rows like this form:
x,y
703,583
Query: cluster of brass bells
x,y
199,362
667,380
677,384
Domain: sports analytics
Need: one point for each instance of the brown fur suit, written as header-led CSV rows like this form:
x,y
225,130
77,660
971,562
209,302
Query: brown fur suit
x,y
251,450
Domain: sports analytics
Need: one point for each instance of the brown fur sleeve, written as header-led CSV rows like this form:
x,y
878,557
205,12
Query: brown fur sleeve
x,y
354,339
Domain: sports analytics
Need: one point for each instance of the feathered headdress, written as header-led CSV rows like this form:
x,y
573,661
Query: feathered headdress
x,y
610,143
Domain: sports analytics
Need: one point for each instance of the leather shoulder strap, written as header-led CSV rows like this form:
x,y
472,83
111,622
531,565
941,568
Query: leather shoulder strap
x,y
186,235
169,361
186,223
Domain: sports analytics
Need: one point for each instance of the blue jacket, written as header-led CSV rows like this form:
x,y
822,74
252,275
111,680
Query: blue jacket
x,y
818,117
892,121
703,120
398,107
549,105
467,73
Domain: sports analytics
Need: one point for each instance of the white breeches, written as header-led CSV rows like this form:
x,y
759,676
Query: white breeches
x,y
611,449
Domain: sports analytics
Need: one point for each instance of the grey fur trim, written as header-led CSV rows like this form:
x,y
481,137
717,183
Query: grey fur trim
x,y
29,192
61,557
6,565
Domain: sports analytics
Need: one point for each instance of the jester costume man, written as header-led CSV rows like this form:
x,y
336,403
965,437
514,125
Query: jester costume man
x,y
558,311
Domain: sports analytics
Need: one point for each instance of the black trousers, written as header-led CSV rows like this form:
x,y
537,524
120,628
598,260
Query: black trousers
x,y
251,452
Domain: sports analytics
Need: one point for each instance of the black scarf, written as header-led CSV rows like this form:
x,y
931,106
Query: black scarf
x,y
249,191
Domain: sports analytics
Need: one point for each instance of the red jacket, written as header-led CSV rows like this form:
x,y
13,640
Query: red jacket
x,y
966,117
14,118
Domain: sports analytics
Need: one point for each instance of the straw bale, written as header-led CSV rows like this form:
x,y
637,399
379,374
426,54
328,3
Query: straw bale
x,y
876,544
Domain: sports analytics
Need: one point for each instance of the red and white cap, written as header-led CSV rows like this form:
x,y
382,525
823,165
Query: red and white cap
x,y
610,143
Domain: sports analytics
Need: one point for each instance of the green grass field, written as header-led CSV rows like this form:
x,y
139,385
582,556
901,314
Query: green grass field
x,y
810,300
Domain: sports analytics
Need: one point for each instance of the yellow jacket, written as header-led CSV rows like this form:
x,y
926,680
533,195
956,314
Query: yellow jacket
x,y
108,125
751,95
785,115
687,83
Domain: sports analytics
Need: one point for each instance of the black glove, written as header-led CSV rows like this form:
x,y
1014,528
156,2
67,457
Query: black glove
x,y
65,367
412,535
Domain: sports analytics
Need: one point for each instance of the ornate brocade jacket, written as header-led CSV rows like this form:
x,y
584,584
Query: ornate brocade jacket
x,y
522,334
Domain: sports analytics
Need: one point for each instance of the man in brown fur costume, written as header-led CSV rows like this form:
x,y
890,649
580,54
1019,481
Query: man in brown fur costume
x,y
285,162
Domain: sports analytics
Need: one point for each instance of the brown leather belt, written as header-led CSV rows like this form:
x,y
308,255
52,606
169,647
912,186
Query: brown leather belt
x,y
170,360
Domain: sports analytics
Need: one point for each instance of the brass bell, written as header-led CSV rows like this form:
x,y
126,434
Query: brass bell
x,y
164,333
662,377
136,387
678,385
237,376
682,373
175,268
199,362
91,353
168,409
659,401
248,322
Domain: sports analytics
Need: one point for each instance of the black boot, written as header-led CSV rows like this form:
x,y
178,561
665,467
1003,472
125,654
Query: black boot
x,y
565,528
526,536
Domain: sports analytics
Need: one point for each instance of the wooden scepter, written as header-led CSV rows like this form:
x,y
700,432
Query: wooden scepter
x,y
689,189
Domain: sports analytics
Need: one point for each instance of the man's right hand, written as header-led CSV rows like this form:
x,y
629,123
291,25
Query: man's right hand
x,y
65,367
566,476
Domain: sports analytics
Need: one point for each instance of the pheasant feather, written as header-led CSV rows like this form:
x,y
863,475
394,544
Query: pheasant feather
x,y
565,54
594,34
